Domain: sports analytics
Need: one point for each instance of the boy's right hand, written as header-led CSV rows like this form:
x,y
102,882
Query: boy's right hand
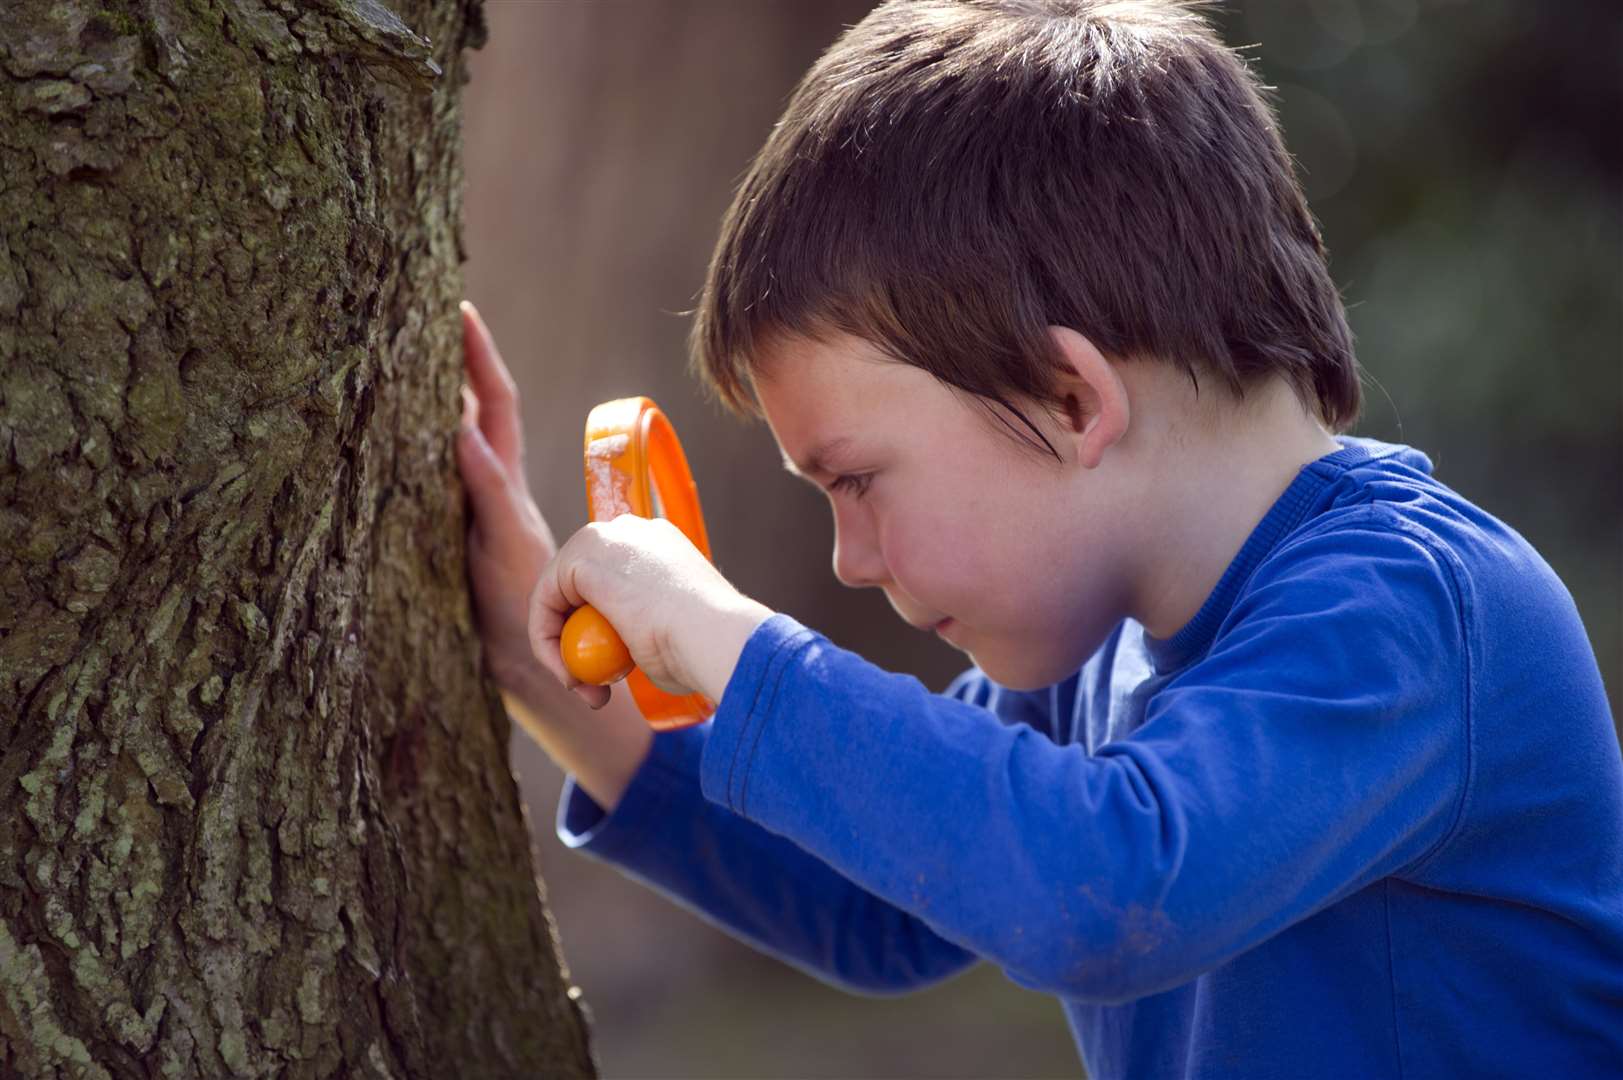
x,y
508,540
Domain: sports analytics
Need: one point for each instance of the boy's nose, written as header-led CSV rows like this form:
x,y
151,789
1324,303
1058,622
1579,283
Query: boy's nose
x,y
858,562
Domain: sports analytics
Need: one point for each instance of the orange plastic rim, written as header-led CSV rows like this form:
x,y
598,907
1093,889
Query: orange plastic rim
x,y
632,458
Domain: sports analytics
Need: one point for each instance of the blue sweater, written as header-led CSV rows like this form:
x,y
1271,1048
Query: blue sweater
x,y
1362,816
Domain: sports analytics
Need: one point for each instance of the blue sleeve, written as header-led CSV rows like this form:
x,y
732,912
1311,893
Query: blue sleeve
x,y
1035,708
1317,747
755,885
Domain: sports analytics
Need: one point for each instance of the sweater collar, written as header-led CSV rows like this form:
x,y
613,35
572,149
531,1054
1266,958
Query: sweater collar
x,y
1288,511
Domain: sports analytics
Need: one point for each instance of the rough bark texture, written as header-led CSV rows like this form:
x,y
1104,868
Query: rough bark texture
x,y
256,817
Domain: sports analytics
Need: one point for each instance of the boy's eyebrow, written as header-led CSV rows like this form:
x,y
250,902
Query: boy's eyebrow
x,y
817,461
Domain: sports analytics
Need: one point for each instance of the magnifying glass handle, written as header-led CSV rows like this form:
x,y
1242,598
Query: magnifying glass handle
x,y
592,651
634,464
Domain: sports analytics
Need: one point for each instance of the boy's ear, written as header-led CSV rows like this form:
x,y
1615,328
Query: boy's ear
x,y
1093,396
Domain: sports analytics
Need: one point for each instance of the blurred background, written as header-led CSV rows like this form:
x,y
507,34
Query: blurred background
x,y
1465,162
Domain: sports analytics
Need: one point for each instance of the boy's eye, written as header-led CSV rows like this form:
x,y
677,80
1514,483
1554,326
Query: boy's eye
x,y
856,486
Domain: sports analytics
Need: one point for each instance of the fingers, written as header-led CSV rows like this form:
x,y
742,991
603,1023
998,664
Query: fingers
x,y
485,479
495,390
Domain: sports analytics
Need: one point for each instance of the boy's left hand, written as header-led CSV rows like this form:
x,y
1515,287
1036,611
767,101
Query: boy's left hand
x,y
684,624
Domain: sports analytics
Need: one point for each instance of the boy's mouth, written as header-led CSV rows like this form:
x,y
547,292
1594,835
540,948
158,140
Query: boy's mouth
x,y
928,628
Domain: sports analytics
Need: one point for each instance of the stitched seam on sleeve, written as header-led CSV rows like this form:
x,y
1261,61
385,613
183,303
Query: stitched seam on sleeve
x,y
799,640
1380,518
1462,612
752,720
738,744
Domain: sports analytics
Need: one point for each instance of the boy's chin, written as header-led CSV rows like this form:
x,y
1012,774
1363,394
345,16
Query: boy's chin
x,y
1023,672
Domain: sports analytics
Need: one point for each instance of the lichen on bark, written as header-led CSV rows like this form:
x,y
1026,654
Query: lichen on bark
x,y
256,816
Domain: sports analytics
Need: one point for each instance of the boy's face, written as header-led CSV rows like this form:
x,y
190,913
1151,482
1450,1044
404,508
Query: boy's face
x,y
1005,554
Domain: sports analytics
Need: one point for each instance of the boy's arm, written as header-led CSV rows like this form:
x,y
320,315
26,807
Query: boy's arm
x,y
602,750
633,799
1317,748
755,885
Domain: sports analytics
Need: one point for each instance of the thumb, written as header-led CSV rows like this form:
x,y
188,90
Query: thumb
x,y
545,630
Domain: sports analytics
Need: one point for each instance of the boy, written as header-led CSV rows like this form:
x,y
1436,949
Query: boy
x,y
1278,758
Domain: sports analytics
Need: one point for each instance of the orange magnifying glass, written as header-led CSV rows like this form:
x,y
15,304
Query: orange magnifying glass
x,y
634,464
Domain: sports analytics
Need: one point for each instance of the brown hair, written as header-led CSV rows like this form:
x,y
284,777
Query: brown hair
x,y
953,176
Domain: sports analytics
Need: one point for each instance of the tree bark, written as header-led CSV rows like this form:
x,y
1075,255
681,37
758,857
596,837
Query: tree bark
x,y
256,816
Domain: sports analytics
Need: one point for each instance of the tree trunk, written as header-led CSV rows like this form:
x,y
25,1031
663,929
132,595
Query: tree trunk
x,y
256,816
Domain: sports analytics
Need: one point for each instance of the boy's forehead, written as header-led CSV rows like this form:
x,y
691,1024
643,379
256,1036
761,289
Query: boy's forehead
x,y
805,386
810,359
820,398
831,400
828,379
812,419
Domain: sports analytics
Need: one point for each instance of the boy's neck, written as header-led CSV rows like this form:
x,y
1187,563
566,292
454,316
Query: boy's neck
x,y
1217,469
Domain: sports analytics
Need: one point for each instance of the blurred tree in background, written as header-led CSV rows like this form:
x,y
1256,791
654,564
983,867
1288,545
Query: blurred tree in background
x,y
1464,161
